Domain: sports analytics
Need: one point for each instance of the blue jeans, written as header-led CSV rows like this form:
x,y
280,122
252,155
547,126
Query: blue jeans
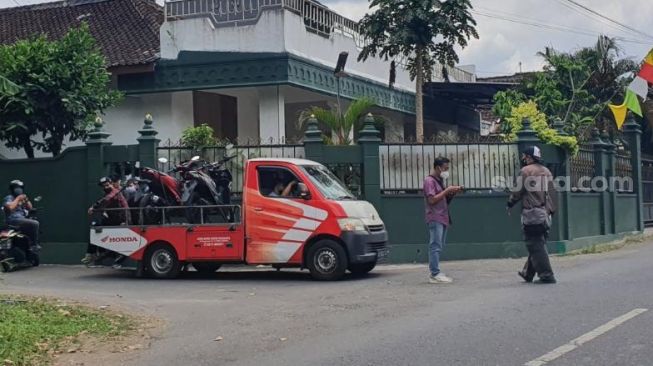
x,y
437,238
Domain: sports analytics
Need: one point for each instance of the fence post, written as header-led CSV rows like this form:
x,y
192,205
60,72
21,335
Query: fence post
x,y
526,136
96,168
633,136
610,173
564,199
313,141
600,172
147,143
369,140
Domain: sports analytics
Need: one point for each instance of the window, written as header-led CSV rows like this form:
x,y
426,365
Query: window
x,y
327,183
277,182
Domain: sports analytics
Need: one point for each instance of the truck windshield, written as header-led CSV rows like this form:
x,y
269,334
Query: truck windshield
x,y
327,183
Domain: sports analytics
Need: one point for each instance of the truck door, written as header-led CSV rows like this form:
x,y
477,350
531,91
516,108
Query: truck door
x,y
215,241
278,222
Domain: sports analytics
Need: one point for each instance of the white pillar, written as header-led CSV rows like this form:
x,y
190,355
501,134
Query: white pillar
x,y
248,116
272,115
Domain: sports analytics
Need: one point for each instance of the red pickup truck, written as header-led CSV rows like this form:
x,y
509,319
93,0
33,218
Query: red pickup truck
x,y
294,213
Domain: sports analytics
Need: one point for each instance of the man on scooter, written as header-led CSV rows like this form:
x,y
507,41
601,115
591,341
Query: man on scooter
x,y
17,206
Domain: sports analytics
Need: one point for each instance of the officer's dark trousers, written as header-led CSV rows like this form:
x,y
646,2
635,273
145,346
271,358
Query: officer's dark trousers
x,y
538,257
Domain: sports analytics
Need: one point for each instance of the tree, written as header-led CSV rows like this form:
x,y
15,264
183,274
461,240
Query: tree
x,y
198,137
63,85
539,124
342,126
424,32
7,87
575,86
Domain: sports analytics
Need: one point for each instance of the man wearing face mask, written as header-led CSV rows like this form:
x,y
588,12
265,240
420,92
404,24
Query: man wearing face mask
x,y
437,199
112,200
17,206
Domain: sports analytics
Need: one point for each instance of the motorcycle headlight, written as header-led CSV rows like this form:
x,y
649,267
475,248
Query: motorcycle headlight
x,y
350,224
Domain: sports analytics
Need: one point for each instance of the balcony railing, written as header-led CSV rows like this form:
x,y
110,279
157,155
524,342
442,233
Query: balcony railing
x,y
317,18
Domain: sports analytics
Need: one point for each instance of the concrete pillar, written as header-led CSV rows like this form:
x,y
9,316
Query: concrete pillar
x,y
97,141
272,115
313,141
369,141
148,143
248,117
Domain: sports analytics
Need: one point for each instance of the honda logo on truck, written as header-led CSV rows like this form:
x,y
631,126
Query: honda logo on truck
x,y
120,239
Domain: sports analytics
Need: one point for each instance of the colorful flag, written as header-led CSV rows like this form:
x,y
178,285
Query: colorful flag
x,y
649,58
619,112
632,103
639,86
646,72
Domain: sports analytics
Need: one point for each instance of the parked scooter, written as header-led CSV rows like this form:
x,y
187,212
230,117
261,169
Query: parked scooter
x,y
16,249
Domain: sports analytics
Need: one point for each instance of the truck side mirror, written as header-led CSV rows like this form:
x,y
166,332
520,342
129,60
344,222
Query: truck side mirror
x,y
304,193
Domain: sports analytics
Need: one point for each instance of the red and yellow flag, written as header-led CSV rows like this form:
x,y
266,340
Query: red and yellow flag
x,y
647,68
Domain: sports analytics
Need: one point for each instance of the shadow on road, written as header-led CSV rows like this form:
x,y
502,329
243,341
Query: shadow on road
x,y
223,275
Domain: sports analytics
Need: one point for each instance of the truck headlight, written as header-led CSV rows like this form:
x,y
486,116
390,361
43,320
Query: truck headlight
x,y
349,224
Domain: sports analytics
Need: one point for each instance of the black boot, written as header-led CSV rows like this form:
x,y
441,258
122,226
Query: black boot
x,y
525,276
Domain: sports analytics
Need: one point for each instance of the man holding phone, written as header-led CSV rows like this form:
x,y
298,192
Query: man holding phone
x,y
437,198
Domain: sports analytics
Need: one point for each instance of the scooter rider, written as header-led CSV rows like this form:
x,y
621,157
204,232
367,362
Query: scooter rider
x,y
17,206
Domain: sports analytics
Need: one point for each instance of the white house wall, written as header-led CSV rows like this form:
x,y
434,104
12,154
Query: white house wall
x,y
276,31
172,113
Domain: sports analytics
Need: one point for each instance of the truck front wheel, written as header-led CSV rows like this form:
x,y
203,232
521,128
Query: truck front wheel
x,y
326,260
162,261
361,268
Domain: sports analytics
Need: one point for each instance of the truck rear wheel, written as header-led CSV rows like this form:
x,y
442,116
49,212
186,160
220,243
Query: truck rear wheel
x,y
361,268
206,267
162,262
326,260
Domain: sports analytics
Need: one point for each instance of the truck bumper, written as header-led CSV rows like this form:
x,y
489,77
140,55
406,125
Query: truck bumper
x,y
366,247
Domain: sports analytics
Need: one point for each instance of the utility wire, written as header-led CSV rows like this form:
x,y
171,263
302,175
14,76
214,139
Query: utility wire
x,y
592,11
554,27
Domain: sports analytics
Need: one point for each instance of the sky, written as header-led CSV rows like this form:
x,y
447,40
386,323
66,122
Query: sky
x,y
505,42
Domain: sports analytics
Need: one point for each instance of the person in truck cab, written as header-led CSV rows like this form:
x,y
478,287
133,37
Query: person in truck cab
x,y
283,191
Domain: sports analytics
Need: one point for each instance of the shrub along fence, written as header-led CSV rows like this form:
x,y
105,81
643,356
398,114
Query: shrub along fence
x,y
388,175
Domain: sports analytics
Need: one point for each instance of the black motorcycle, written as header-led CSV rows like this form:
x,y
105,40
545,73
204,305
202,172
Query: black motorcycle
x,y
16,249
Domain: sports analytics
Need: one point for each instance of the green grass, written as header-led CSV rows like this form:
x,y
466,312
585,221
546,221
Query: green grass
x,y
609,247
32,330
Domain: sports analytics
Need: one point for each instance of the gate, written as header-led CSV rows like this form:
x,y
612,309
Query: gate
x,y
647,191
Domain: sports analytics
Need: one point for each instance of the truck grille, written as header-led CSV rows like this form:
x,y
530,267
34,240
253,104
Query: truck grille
x,y
375,247
375,228
380,249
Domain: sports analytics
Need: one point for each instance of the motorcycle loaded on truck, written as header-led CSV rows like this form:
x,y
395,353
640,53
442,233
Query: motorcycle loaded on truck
x,y
294,213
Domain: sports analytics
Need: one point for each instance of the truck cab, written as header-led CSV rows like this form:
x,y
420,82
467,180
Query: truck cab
x,y
294,213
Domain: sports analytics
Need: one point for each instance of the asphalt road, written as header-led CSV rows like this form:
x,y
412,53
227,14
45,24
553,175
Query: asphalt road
x,y
392,317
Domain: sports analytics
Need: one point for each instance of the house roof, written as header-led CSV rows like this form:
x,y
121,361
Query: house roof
x,y
515,78
127,31
468,93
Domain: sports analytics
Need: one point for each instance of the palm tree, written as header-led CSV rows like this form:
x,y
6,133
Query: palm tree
x,y
589,78
342,126
423,32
